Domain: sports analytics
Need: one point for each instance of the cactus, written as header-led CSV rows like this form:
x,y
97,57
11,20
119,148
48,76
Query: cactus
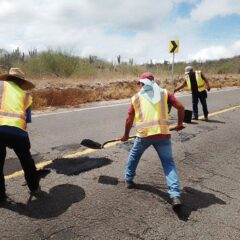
x,y
119,59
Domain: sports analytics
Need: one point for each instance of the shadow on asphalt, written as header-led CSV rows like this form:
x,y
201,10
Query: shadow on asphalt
x,y
48,205
42,173
154,190
13,163
74,166
193,123
107,180
192,199
214,121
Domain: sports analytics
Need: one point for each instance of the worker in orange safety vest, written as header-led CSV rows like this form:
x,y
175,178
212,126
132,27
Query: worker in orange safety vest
x,y
15,113
149,109
195,82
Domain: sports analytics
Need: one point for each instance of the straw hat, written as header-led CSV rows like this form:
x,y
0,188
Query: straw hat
x,y
17,75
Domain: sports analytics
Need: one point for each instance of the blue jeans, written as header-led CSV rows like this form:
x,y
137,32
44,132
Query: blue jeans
x,y
203,99
164,150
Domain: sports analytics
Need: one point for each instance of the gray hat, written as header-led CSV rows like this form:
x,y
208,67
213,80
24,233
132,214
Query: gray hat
x,y
188,69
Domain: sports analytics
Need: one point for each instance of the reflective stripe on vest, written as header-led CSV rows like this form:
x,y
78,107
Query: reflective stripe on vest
x,y
151,119
14,102
153,123
14,115
199,80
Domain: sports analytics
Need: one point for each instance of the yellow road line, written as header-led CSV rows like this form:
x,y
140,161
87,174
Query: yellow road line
x,y
84,152
20,173
221,111
74,155
88,150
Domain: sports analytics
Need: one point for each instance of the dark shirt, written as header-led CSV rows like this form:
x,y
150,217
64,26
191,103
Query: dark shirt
x,y
29,115
194,86
17,131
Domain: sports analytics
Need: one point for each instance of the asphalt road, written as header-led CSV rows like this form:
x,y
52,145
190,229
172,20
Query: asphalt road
x,y
84,196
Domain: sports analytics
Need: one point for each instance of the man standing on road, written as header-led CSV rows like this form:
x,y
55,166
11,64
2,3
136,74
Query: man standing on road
x,y
149,108
15,113
195,81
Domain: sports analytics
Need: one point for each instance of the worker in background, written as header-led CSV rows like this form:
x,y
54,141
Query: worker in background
x,y
196,81
149,108
15,113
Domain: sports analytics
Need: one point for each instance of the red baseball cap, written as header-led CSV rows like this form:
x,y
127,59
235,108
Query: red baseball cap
x,y
147,75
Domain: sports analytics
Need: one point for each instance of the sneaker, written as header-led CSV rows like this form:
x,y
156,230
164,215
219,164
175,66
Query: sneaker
x,y
130,184
195,118
176,202
205,119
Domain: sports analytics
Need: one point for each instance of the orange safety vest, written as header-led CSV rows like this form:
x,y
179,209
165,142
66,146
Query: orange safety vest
x,y
14,103
151,119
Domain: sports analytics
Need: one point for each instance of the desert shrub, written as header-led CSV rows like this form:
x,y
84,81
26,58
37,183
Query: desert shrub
x,y
65,65
58,63
10,59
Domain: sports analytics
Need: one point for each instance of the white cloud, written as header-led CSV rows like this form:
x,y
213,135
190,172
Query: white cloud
x,y
216,52
209,9
134,29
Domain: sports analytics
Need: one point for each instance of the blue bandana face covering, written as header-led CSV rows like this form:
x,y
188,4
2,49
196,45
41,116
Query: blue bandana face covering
x,y
150,91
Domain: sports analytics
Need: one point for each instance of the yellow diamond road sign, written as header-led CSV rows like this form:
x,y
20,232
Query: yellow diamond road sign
x,y
174,46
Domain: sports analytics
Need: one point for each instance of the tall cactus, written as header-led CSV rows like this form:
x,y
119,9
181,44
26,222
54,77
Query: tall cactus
x,y
119,59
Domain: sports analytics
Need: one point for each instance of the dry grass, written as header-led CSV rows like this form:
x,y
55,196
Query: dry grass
x,y
73,92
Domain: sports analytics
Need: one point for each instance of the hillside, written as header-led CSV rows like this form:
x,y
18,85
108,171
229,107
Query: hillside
x,y
65,80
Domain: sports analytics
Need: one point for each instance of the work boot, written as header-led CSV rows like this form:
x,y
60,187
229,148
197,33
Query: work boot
x,y
130,184
176,202
205,119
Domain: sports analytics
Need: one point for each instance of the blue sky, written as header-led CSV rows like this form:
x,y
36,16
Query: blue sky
x,y
222,29
138,29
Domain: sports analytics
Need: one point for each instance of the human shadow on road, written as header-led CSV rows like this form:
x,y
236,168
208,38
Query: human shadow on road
x,y
42,173
214,121
192,199
48,205
74,166
192,123
154,190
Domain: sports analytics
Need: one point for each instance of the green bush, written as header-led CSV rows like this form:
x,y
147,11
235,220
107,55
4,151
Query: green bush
x,y
64,65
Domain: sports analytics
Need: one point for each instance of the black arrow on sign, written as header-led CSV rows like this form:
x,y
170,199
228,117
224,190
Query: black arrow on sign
x,y
174,46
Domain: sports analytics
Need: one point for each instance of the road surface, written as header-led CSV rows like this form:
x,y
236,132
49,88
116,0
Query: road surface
x,y
84,195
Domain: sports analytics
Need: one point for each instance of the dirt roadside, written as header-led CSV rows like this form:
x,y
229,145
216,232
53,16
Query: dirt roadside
x,y
73,92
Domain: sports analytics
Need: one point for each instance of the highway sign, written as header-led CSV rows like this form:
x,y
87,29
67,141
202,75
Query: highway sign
x,y
174,46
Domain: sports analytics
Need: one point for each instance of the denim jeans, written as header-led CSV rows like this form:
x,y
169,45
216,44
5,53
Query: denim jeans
x,y
164,150
203,99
